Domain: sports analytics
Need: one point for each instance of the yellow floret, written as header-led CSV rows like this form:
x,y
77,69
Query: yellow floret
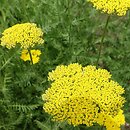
x,y
112,6
26,35
34,53
84,95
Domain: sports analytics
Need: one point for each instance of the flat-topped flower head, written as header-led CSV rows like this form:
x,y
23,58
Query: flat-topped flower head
x,y
34,53
118,7
84,95
26,34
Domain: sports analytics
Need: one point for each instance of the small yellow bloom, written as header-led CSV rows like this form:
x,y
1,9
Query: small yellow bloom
x,y
34,53
26,34
111,122
84,95
118,7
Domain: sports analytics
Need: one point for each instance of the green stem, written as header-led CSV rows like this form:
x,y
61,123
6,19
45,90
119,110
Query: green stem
x,y
102,40
69,31
29,51
8,61
102,127
69,6
25,125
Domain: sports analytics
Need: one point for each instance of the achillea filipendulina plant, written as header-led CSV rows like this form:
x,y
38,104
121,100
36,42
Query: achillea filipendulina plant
x,y
34,55
26,34
84,95
118,7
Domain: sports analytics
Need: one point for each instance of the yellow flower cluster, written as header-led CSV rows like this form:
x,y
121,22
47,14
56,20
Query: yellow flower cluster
x,y
84,95
111,123
26,34
112,6
34,53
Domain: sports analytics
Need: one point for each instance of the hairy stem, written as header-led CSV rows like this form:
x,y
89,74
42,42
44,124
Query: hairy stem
x,y
29,51
102,127
8,61
102,40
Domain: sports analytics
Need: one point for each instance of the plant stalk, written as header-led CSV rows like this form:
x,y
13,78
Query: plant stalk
x,y
29,51
102,40
8,61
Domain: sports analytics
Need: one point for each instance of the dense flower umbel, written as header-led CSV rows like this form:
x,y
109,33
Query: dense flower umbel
x,y
26,34
112,6
84,95
34,53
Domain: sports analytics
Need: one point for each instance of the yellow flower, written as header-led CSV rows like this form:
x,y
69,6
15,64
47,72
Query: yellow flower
x,y
112,6
111,123
26,34
34,53
84,95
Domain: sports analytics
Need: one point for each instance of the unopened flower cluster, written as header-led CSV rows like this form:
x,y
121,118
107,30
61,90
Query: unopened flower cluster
x,y
84,95
26,34
34,54
118,7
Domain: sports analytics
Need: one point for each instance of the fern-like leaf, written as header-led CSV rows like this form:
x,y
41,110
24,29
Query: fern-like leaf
x,y
23,108
42,126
